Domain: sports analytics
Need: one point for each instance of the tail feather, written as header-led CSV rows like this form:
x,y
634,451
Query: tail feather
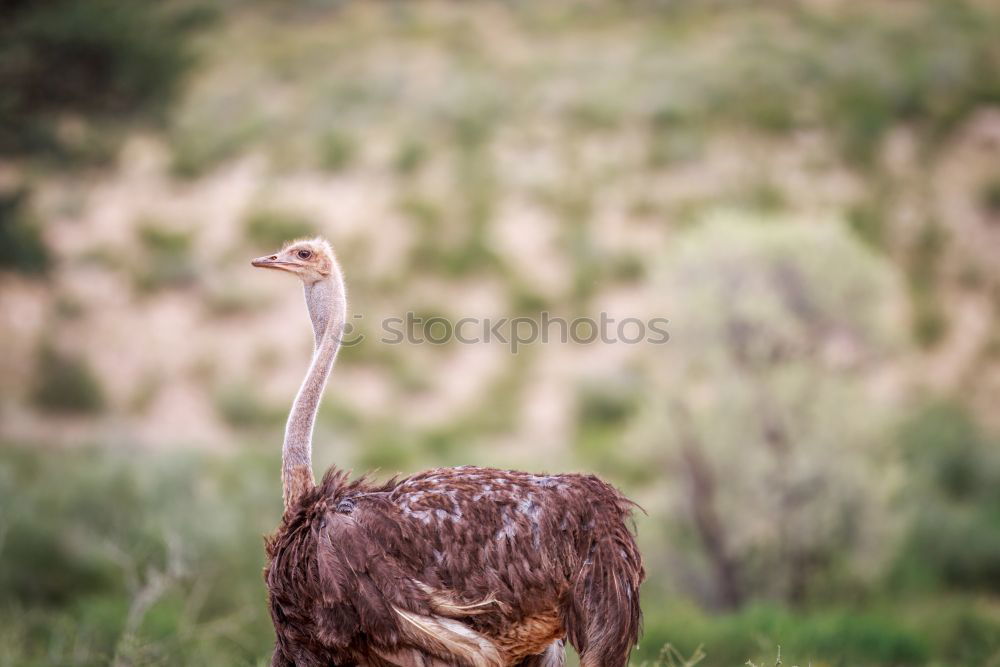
x,y
447,604
553,656
450,640
603,617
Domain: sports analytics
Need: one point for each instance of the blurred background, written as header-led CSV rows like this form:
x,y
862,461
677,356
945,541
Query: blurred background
x,y
809,191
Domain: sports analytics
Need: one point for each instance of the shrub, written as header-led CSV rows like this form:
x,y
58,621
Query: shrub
x,y
21,246
167,260
867,222
989,197
337,150
410,157
98,59
387,448
268,229
955,492
783,494
65,384
242,408
201,143
930,324
89,534
594,116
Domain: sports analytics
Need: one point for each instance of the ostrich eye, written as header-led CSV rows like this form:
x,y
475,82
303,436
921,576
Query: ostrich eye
x,y
304,254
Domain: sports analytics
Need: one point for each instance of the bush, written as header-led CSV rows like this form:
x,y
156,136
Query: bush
x,y
241,407
65,384
410,157
955,493
151,560
268,229
337,150
21,245
200,142
783,326
989,197
97,59
167,260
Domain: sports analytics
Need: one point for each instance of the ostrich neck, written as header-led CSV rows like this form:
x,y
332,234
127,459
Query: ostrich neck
x,y
327,310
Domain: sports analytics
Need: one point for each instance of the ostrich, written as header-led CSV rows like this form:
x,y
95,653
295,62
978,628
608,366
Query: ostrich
x,y
464,566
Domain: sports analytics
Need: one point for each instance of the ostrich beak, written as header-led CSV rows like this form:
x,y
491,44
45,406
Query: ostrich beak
x,y
270,262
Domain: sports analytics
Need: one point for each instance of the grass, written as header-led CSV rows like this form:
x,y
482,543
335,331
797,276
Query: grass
x,y
671,657
834,637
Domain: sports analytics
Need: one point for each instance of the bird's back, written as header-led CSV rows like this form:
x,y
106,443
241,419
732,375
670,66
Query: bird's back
x,y
360,572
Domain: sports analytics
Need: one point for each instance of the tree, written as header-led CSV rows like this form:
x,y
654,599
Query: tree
x,y
773,403
68,67
66,63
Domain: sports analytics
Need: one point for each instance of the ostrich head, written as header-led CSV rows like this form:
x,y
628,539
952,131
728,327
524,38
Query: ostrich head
x,y
310,259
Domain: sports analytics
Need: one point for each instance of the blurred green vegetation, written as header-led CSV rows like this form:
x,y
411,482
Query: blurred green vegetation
x,y
21,246
66,64
242,408
166,260
66,384
955,495
337,151
110,558
268,229
784,326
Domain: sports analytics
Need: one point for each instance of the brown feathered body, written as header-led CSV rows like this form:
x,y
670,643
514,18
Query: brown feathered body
x,y
455,566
